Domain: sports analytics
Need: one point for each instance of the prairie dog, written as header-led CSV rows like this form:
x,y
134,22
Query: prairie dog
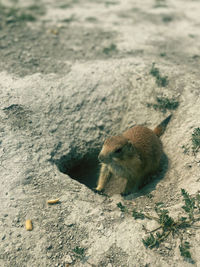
x,y
131,156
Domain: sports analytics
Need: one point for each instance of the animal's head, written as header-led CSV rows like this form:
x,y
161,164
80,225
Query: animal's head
x,y
116,149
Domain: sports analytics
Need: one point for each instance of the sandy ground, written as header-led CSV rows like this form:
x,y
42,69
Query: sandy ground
x,y
71,74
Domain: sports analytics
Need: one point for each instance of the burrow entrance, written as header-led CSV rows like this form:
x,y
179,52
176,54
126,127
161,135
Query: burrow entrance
x,y
82,168
85,168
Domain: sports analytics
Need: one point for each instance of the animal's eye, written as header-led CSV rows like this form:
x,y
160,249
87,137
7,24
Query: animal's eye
x,y
118,150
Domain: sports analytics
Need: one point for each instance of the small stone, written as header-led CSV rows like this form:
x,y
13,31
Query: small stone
x,y
68,259
122,215
189,232
168,246
49,255
101,227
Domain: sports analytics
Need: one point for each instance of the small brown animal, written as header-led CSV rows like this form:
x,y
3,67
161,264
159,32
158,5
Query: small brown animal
x,y
131,156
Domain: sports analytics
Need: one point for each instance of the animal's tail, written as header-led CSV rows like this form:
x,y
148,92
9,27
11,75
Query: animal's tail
x,y
159,130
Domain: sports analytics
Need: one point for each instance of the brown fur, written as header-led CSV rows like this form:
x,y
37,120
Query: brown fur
x,y
131,156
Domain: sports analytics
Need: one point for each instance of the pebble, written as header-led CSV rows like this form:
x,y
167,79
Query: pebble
x,y
101,227
49,255
168,246
68,259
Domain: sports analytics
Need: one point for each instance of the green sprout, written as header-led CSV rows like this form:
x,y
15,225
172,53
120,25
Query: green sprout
x,y
163,104
196,139
121,207
80,252
189,204
138,215
185,252
164,219
15,14
185,149
161,81
150,241
110,49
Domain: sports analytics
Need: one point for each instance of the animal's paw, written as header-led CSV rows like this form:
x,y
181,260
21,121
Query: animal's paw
x,y
100,192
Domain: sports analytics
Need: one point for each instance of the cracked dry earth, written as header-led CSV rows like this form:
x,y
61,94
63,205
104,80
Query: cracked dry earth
x,y
71,74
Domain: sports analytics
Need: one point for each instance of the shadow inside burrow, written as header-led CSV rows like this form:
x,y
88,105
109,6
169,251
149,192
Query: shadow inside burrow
x,y
82,168
152,180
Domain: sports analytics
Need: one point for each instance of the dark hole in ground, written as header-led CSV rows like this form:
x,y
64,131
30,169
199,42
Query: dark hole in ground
x,y
84,169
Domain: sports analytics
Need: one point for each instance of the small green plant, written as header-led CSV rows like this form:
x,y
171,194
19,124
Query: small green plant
x,y
91,19
160,3
110,49
25,17
164,219
70,19
154,71
138,215
150,241
64,6
163,104
185,252
80,252
198,201
169,225
195,143
15,14
167,19
170,104
121,207
185,149
161,81
109,3
163,54
196,140
189,204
